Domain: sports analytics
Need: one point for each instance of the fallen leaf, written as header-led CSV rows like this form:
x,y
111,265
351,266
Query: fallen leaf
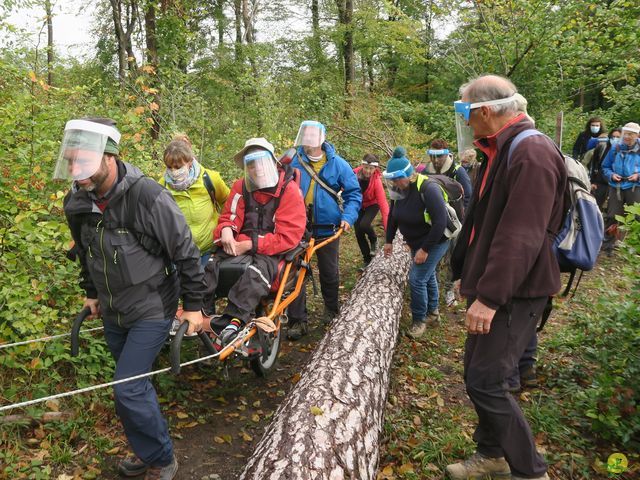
x,y
316,410
295,379
405,468
218,440
246,437
255,417
416,421
113,451
182,415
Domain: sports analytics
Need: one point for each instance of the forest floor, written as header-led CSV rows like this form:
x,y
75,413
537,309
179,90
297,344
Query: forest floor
x,y
216,418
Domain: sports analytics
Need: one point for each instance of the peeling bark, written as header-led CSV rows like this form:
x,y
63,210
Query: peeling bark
x,y
329,425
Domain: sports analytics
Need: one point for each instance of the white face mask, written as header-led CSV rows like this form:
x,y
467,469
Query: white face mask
x,y
595,128
314,159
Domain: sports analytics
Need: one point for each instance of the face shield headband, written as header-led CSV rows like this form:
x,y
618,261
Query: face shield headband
x,y
437,153
463,109
403,173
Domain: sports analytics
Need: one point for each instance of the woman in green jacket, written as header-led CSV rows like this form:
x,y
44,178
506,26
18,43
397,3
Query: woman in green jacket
x,y
200,203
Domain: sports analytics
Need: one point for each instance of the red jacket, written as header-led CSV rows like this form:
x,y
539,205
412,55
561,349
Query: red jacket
x,y
374,194
290,217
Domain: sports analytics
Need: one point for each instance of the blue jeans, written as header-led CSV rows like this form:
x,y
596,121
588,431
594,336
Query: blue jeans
x,y
135,350
423,283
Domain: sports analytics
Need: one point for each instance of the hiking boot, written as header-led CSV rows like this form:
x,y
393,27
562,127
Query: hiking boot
x,y
230,332
478,466
543,477
328,316
297,330
163,473
432,318
529,378
450,298
132,466
416,330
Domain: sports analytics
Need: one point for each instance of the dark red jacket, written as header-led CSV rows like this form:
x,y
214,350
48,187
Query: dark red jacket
x,y
374,194
514,221
290,217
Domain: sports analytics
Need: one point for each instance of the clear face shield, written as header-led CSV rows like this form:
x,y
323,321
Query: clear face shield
x,y
260,170
82,149
464,132
311,134
398,182
440,157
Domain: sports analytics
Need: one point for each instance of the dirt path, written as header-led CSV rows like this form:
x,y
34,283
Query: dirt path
x,y
219,421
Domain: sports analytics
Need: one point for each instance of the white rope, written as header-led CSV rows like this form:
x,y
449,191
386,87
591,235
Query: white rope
x,y
103,385
46,339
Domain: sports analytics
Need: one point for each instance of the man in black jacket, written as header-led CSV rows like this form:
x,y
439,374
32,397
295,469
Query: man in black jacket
x,y
137,259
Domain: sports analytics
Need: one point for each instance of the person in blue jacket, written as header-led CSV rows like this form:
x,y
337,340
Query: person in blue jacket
x,y
621,168
332,195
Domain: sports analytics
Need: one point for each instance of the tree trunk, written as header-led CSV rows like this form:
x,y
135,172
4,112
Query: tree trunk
x,y
237,7
120,39
152,59
316,44
220,21
47,6
126,57
131,19
370,72
328,427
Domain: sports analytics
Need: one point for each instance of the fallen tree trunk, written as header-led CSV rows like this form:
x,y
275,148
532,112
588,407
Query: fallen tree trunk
x,y
328,427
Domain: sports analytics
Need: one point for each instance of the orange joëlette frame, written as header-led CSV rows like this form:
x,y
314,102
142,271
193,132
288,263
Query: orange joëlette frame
x,y
278,305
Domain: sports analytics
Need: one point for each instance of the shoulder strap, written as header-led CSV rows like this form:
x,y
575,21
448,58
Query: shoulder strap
x,y
133,199
210,188
312,173
518,138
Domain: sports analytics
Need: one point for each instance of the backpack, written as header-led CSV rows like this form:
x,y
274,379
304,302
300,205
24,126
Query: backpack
x,y
453,195
577,244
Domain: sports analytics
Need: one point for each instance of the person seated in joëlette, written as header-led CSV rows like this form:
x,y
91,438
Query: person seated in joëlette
x,y
264,217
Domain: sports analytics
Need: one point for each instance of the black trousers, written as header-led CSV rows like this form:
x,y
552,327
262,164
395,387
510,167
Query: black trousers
x,y
601,193
617,200
488,361
327,258
252,286
364,230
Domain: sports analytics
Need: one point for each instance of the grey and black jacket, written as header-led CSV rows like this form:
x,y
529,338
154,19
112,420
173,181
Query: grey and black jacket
x,y
136,262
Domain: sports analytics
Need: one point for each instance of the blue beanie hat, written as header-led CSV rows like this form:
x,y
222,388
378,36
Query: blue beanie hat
x,y
398,165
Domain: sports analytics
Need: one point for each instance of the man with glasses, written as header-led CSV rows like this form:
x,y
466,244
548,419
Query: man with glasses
x,y
507,268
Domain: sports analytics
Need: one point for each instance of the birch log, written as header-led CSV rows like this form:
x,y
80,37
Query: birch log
x,y
329,425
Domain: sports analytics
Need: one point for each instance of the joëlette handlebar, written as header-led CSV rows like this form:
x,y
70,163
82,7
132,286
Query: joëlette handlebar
x,y
277,308
75,330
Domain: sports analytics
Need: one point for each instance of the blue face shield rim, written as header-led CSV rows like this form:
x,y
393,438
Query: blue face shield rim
x,y
404,173
437,153
463,109
313,123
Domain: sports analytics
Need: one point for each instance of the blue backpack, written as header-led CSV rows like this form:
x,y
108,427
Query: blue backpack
x,y
577,244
